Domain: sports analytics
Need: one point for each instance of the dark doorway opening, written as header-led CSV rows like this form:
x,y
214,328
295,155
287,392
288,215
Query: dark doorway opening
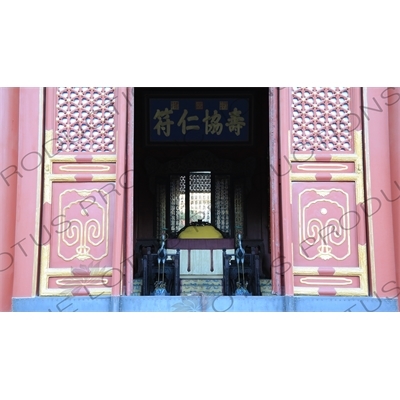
x,y
245,163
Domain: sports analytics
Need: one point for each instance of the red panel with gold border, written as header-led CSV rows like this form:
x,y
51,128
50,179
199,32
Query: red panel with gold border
x,y
324,148
80,192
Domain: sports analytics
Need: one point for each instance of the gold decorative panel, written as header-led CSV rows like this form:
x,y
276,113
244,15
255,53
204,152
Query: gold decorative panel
x,y
88,219
324,224
77,235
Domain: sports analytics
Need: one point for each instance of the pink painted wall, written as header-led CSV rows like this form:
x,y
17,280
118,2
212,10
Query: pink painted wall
x,y
285,124
8,189
393,105
128,183
30,163
376,131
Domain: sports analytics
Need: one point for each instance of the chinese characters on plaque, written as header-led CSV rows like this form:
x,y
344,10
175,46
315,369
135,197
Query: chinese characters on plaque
x,y
199,120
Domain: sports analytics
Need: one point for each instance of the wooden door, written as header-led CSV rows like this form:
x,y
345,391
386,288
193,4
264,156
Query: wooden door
x,y
83,197
322,181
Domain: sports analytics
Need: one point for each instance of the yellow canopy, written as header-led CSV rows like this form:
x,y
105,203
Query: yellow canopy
x,y
200,232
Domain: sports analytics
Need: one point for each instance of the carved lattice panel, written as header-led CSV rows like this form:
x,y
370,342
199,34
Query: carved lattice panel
x,y
161,209
321,119
323,193
222,208
200,196
239,208
177,202
85,119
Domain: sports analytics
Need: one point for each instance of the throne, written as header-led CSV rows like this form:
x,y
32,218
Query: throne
x,y
201,246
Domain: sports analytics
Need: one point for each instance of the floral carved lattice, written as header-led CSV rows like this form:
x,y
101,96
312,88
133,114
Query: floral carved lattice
x,y
222,203
200,196
85,119
321,119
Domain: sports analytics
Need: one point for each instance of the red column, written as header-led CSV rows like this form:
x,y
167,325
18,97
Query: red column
x,y
392,101
119,203
130,236
274,191
285,115
9,98
379,190
28,202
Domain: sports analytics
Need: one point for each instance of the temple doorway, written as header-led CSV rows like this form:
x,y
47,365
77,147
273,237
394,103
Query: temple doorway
x,y
194,167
